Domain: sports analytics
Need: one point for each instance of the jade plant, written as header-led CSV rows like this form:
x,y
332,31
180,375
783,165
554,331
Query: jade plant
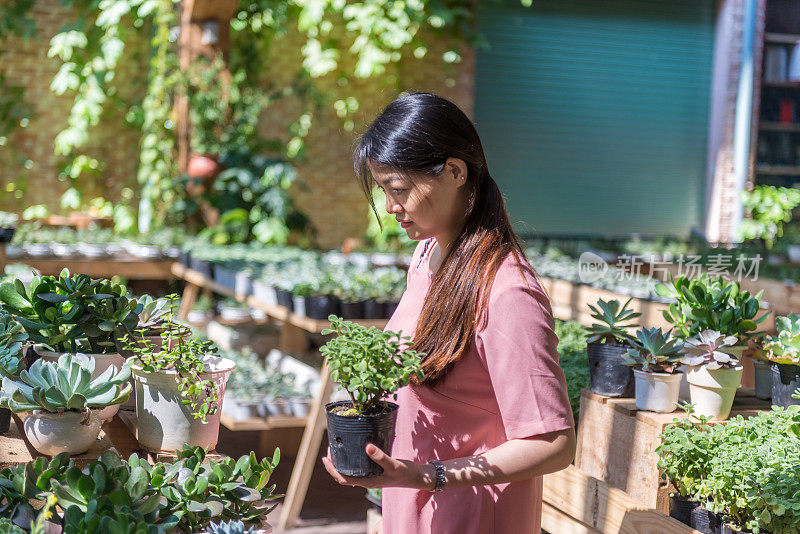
x,y
22,483
611,326
707,349
184,355
370,364
65,385
785,346
654,351
711,303
12,336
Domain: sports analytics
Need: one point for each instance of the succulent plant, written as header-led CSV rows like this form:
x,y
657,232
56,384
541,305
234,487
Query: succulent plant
x,y
66,385
785,347
11,338
610,329
706,349
230,527
22,483
7,527
153,315
654,351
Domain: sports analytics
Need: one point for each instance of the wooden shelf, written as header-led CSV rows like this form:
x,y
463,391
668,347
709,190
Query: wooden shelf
x,y
259,423
788,85
782,38
123,265
768,126
763,168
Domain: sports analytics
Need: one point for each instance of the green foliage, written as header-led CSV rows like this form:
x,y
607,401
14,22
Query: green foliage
x,y
7,527
153,315
383,231
230,527
22,483
707,349
12,337
768,207
181,354
711,303
369,363
611,317
66,385
745,470
572,357
785,346
654,351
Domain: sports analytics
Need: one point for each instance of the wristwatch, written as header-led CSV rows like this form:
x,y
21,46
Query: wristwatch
x,y
440,480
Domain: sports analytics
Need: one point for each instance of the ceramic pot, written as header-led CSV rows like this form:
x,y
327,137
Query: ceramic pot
x,y
657,392
54,433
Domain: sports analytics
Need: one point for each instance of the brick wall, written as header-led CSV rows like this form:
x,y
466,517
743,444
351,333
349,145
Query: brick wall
x,y
328,194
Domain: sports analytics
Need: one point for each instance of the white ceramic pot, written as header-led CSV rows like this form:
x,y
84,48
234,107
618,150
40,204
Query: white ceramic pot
x,y
265,293
101,363
164,422
232,313
657,392
683,389
299,305
712,391
763,379
54,433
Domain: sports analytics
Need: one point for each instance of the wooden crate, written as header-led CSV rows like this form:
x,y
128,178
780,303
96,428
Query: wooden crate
x,y
617,442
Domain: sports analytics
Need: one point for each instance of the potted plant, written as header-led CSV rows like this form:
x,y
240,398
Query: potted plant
x,y
714,375
202,311
370,365
655,357
608,342
12,336
762,373
8,224
62,399
783,351
179,388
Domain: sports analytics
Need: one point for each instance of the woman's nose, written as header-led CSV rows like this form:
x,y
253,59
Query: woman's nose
x,y
392,206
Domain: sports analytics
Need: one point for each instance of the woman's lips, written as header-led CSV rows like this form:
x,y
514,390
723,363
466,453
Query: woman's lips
x,y
406,224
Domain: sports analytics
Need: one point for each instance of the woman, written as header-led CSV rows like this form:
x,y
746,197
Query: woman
x,y
492,413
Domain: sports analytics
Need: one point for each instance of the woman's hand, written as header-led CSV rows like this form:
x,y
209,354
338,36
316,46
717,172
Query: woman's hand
x,y
396,473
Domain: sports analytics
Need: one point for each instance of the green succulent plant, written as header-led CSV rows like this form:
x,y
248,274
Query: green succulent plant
x,y
153,315
610,327
12,336
706,349
654,351
66,385
7,527
229,527
22,483
368,363
785,346
711,303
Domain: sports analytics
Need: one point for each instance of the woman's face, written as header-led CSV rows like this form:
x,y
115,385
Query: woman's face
x,y
429,205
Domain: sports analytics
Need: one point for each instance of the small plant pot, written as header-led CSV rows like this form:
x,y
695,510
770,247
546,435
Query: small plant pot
x,y
54,433
785,381
793,252
7,234
352,310
763,379
681,508
90,250
657,392
374,309
225,277
5,420
164,422
299,305
264,293
184,258
198,318
63,249
37,249
299,407
607,374
234,313
348,437
203,267
101,363
272,407
712,392
319,307
241,410
705,521
284,298
683,390
244,284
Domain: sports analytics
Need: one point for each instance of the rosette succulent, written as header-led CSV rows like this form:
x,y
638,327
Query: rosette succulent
x,y
707,349
12,336
153,315
66,385
785,347
610,328
654,351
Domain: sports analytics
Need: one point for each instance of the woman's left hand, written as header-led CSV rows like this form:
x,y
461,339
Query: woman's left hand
x,y
396,473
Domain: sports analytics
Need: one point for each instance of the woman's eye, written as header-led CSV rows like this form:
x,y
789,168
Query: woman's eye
x,y
397,191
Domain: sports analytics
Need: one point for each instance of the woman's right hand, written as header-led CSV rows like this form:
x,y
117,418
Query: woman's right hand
x,y
377,528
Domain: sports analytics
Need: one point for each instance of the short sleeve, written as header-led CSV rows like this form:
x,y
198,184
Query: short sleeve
x,y
517,344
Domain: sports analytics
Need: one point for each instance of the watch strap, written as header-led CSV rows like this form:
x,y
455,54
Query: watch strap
x,y
440,480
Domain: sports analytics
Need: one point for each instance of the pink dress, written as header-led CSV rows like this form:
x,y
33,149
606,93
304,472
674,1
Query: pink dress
x,y
509,385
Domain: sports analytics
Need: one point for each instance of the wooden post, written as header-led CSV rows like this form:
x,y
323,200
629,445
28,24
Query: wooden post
x,y
188,299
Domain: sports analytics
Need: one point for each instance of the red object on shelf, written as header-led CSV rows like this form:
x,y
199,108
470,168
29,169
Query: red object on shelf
x,y
786,114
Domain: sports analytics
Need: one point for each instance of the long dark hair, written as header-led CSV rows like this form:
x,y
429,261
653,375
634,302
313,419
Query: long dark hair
x,y
415,135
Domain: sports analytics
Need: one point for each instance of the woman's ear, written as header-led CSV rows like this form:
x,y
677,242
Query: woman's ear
x,y
455,169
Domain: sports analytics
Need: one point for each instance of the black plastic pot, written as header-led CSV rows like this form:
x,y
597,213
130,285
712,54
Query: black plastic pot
x,y
203,267
607,374
348,436
319,307
352,310
284,298
681,508
184,258
5,420
706,521
389,309
6,234
785,381
374,309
